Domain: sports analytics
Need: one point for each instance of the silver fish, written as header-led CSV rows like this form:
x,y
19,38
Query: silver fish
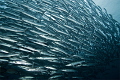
x,y
56,39
75,63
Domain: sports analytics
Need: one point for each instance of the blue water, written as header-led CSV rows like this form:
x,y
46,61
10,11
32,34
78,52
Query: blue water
x,y
112,6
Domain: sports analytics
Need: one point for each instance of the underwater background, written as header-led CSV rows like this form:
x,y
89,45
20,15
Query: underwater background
x,y
112,7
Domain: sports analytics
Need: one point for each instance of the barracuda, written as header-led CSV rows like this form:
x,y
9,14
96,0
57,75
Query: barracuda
x,y
56,40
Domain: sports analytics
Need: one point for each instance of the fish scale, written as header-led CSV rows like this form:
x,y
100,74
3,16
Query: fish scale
x,y
56,39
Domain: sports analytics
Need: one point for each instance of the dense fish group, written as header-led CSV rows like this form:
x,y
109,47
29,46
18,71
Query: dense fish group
x,y
56,39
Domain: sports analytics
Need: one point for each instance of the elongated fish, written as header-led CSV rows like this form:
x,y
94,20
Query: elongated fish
x,y
57,40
